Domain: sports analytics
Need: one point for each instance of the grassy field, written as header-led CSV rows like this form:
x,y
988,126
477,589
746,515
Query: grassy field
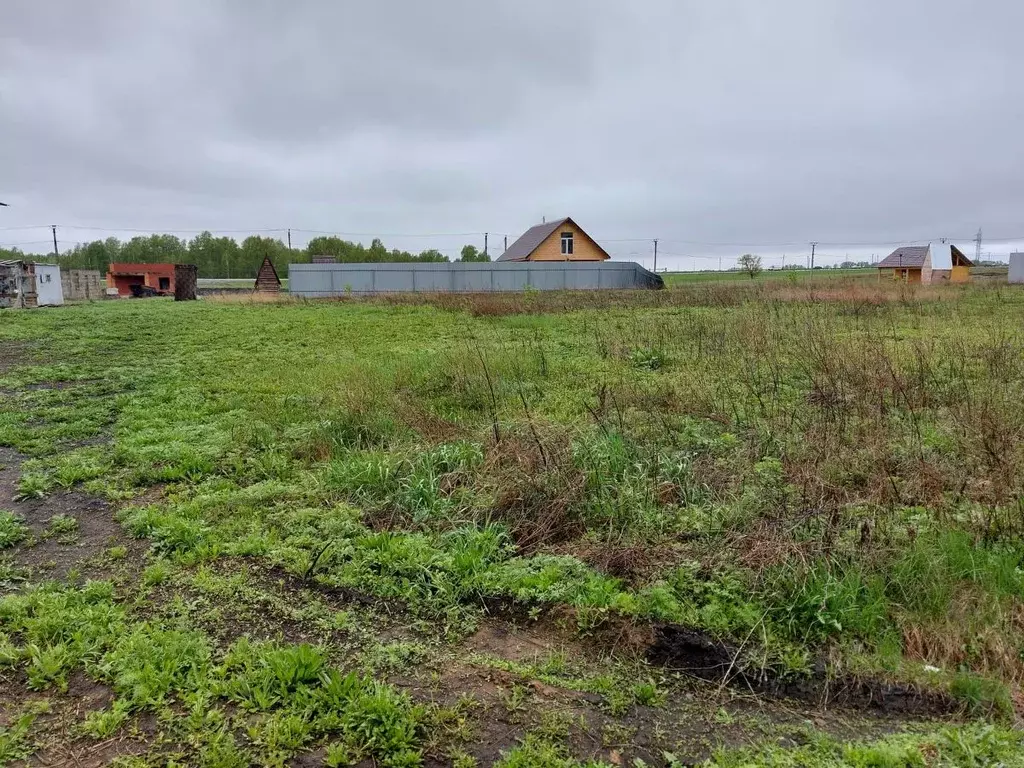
x,y
751,523
232,283
682,278
981,274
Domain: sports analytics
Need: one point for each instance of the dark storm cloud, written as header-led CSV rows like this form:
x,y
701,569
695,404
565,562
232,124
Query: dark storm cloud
x,y
697,122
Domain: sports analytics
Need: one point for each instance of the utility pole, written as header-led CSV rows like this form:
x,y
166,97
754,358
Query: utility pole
x,y
977,247
814,245
289,239
506,242
655,255
485,243
56,253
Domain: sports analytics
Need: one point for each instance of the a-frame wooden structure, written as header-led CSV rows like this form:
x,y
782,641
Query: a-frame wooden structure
x,y
267,280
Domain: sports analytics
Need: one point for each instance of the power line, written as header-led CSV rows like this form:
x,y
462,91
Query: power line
x,y
648,239
395,234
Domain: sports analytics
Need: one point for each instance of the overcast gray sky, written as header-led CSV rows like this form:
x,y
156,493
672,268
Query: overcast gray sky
x,y
718,126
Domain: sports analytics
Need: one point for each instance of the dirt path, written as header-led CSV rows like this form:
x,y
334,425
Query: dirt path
x,y
48,554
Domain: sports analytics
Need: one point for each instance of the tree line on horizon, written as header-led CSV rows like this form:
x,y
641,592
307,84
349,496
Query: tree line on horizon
x,y
225,257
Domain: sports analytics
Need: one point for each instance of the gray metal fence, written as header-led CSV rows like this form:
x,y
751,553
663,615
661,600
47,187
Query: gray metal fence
x,y
324,280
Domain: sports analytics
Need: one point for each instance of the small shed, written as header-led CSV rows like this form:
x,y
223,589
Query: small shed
x,y
267,280
929,264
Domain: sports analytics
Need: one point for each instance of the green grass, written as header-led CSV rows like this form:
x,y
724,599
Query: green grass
x,y
12,529
977,745
683,278
806,478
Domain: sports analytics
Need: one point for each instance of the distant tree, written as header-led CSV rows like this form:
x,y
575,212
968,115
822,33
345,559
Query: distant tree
x,y
431,255
750,264
255,248
342,250
471,253
154,249
12,254
215,256
377,252
97,254
346,252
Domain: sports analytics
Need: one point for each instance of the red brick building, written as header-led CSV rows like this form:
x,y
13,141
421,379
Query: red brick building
x,y
159,277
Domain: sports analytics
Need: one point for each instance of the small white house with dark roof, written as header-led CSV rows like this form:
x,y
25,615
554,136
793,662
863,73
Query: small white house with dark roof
x,y
933,263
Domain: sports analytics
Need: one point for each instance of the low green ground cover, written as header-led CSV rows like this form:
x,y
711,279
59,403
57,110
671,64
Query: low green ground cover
x,y
806,479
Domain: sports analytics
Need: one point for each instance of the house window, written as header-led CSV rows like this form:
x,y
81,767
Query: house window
x,y
567,243
165,283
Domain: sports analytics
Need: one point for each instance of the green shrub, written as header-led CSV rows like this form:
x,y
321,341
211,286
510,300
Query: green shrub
x,y
536,751
61,626
32,486
824,602
259,675
104,723
62,524
80,465
12,529
14,737
982,695
150,664
926,578
220,750
384,723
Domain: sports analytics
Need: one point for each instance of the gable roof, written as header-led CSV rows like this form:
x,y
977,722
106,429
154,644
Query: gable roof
x,y
908,256
913,256
529,241
959,256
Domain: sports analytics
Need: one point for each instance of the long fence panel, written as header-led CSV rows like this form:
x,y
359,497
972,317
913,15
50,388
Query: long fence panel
x,y
326,280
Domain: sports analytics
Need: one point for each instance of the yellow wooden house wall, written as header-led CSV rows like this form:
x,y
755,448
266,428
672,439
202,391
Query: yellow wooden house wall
x,y
583,248
913,274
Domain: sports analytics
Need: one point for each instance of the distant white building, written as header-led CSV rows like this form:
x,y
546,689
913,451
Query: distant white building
x,y
1017,267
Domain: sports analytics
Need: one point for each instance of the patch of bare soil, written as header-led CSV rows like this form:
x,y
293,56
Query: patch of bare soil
x,y
86,754
698,654
698,713
12,354
53,556
56,729
507,641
